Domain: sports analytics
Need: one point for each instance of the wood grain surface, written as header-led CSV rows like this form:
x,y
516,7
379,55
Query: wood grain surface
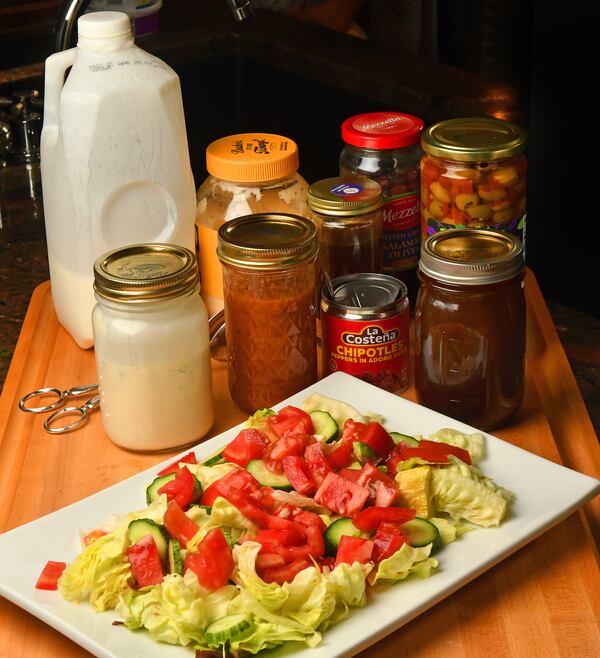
x,y
542,601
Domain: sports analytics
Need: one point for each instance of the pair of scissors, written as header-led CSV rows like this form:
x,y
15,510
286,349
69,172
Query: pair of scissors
x,y
60,398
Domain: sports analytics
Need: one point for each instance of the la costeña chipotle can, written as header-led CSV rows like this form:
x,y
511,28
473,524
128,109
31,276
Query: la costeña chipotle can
x,y
364,325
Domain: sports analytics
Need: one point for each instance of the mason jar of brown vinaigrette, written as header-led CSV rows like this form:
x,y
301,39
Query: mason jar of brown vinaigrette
x,y
269,280
470,326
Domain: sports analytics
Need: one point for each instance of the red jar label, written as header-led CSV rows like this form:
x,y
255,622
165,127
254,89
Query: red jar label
x,y
401,232
375,351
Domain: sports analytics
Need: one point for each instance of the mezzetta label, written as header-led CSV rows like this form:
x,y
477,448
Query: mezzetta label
x,y
401,232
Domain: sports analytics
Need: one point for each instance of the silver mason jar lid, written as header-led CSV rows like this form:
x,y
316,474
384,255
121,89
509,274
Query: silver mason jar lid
x,y
471,256
145,273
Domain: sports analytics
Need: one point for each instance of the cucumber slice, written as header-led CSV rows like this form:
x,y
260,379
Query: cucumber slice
x,y
363,452
324,425
175,558
152,491
215,458
266,477
142,527
336,530
226,628
420,532
410,441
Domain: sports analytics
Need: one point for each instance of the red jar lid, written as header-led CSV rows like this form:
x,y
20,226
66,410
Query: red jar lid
x,y
382,130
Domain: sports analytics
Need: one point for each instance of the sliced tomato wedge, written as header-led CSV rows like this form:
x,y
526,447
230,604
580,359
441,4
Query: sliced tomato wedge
x,y
238,480
266,560
284,574
375,436
146,564
384,496
183,488
190,458
306,518
351,474
369,473
446,449
178,524
212,561
370,518
313,547
291,537
342,455
291,420
387,540
296,471
318,465
50,575
341,496
249,444
354,549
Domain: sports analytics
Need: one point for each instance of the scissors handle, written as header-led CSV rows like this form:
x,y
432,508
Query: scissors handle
x,y
80,413
60,397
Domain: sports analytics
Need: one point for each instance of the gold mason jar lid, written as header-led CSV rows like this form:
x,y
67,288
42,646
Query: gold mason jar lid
x,y
471,256
267,241
474,139
345,196
145,273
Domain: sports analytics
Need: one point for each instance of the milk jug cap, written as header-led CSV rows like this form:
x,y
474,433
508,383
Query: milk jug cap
x,y
103,27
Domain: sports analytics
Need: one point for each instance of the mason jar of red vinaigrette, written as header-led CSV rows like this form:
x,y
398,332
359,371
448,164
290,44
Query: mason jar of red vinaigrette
x,y
385,147
269,281
470,326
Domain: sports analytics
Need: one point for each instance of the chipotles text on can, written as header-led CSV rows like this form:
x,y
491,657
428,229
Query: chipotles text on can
x,y
364,326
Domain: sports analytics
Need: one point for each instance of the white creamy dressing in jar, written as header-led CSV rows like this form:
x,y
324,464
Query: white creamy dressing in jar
x,y
153,361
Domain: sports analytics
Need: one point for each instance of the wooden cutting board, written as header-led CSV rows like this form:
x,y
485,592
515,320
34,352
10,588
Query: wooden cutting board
x,y
542,601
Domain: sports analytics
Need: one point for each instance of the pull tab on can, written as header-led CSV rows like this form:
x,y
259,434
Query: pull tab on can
x,y
364,325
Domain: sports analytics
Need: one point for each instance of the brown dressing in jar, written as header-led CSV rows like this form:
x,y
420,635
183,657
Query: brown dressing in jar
x,y
470,326
269,277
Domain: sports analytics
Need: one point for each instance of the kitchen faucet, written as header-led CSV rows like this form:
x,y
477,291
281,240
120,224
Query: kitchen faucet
x,y
70,10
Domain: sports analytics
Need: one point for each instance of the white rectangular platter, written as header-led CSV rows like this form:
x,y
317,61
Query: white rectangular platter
x,y
545,494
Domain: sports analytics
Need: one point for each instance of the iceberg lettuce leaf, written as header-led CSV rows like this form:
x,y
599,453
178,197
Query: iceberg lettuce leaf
x,y
177,611
100,572
402,563
473,443
463,492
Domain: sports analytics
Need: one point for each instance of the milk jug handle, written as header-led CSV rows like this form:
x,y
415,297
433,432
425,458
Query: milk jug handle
x,y
56,66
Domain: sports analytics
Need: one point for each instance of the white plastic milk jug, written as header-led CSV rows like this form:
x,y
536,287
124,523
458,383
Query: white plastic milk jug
x,y
114,160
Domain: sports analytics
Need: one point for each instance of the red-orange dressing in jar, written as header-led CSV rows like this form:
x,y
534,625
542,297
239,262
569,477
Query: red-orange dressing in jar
x,y
269,278
470,326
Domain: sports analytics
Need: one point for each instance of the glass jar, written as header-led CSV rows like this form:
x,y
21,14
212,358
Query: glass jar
x,y
470,326
249,173
152,351
269,278
474,175
347,213
385,147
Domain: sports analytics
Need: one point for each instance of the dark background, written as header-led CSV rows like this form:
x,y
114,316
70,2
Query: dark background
x,y
539,53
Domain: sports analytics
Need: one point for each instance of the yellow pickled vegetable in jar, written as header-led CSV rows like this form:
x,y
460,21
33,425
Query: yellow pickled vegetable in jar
x,y
473,175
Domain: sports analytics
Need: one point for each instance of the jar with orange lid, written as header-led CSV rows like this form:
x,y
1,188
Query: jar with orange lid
x,y
473,175
248,173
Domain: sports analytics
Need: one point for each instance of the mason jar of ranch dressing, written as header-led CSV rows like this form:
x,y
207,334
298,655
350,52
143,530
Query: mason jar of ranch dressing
x,y
152,348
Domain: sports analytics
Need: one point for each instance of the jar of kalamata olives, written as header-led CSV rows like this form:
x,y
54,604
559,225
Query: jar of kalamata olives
x,y
385,147
470,326
473,175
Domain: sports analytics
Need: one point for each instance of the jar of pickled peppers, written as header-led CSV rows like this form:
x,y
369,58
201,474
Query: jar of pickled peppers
x,y
473,175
